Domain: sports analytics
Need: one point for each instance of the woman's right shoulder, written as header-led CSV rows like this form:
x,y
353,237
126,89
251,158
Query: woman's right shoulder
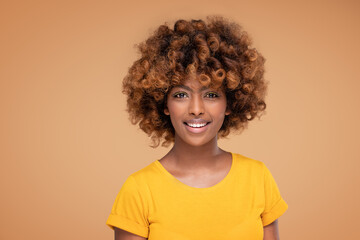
x,y
145,175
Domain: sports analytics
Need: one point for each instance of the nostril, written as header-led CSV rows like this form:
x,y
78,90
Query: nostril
x,y
196,107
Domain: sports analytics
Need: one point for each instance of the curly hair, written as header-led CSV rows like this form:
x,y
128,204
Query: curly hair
x,y
216,50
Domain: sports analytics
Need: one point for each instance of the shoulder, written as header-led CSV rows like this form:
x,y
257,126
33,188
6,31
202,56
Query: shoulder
x,y
249,168
146,171
246,162
146,175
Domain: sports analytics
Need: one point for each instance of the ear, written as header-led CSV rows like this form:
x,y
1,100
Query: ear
x,y
227,112
166,111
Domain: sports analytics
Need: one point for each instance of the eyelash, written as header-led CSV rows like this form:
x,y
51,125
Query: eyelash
x,y
183,94
214,95
177,95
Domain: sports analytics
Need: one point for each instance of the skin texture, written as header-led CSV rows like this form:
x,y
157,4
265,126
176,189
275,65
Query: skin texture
x,y
192,101
195,159
271,231
124,235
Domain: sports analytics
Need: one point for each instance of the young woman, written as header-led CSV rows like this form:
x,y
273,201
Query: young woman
x,y
193,84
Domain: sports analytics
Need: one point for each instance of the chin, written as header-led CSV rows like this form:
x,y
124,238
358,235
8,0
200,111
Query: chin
x,y
193,142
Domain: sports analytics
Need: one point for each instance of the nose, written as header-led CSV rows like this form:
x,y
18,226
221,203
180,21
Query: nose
x,y
196,106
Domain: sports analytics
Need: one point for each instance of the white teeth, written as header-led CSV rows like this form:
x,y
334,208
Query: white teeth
x,y
196,125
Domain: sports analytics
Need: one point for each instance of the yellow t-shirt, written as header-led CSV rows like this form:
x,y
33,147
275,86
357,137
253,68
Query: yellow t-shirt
x,y
153,204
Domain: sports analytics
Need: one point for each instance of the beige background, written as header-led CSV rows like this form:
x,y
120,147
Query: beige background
x,y
66,145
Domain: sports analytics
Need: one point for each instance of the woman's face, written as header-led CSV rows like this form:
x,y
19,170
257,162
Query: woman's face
x,y
196,112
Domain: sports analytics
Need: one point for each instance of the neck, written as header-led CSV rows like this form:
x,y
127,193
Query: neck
x,y
194,158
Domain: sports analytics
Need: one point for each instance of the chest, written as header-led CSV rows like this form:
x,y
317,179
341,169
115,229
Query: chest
x,y
204,180
231,213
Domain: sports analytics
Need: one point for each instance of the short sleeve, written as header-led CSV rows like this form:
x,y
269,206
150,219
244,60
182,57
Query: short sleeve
x,y
275,205
129,211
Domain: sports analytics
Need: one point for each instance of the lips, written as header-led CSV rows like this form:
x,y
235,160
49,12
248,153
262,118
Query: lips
x,y
196,125
196,122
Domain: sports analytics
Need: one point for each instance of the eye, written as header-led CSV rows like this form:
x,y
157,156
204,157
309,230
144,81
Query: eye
x,y
211,95
180,95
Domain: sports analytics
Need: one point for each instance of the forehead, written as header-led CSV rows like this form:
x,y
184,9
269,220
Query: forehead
x,y
194,85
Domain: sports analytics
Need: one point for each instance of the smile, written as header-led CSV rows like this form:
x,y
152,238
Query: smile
x,y
196,125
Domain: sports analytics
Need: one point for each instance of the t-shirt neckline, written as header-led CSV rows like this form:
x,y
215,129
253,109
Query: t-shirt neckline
x,y
211,188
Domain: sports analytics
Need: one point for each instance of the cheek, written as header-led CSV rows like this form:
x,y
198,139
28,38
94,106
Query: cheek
x,y
174,112
221,113
221,108
176,108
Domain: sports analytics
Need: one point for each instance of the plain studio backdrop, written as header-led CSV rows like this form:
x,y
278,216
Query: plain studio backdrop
x,y
66,145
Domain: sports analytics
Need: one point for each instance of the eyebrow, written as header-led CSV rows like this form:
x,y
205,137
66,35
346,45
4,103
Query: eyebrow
x,y
189,89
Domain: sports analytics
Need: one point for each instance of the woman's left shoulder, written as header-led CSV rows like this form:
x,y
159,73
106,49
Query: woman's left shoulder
x,y
247,161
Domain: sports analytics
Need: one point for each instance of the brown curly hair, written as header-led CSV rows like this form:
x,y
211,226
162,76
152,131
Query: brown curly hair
x,y
218,51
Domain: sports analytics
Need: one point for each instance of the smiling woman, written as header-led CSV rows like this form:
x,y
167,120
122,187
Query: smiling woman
x,y
193,84
196,112
217,54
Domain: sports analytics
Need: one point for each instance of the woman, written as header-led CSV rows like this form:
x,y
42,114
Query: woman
x,y
193,84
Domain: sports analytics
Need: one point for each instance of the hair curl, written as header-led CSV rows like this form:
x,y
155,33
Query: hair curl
x,y
218,51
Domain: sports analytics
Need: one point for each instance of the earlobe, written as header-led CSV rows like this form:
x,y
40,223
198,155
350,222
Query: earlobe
x,y
166,111
227,112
